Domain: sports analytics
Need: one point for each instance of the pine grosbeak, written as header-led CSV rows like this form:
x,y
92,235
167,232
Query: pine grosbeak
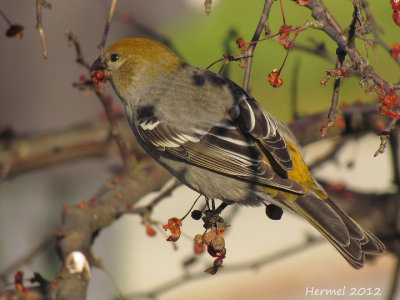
x,y
217,139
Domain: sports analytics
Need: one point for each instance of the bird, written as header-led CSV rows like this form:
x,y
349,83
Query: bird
x,y
215,138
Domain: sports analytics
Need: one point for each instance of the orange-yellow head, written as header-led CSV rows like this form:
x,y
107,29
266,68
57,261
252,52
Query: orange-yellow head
x,y
134,63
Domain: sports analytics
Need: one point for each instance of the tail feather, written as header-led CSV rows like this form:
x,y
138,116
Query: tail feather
x,y
370,247
352,253
349,238
370,244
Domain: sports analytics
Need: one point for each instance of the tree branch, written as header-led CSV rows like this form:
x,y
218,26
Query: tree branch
x,y
250,50
19,154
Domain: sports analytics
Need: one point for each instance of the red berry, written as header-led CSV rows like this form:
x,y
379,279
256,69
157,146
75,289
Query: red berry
x,y
150,231
198,249
303,2
395,4
396,17
395,51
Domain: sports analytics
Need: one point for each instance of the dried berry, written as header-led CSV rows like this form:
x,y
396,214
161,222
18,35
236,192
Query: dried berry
x,y
208,237
198,239
218,243
274,80
174,225
15,31
273,212
196,214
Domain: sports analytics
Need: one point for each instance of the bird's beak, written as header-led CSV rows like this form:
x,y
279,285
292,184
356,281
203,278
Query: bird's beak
x,y
98,64
97,70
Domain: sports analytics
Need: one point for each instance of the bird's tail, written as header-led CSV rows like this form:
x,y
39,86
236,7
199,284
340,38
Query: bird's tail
x,y
348,237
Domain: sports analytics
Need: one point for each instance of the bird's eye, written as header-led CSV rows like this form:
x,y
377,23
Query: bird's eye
x,y
114,57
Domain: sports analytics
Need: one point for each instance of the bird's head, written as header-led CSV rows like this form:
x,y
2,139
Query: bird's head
x,y
131,64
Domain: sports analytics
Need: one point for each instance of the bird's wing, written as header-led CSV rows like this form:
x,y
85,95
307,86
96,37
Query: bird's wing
x,y
254,120
224,148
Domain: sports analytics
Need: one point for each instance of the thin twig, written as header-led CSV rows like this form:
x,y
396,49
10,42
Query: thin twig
x,y
105,101
355,23
334,31
250,265
283,13
384,136
226,43
330,155
115,131
5,18
341,55
226,59
165,193
107,27
39,26
114,282
375,30
26,258
294,91
145,211
250,50
357,11
335,98
79,54
319,50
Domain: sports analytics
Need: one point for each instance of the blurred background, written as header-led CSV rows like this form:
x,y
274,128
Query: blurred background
x,y
37,96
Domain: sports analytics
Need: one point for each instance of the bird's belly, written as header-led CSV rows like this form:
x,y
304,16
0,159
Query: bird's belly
x,y
214,185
